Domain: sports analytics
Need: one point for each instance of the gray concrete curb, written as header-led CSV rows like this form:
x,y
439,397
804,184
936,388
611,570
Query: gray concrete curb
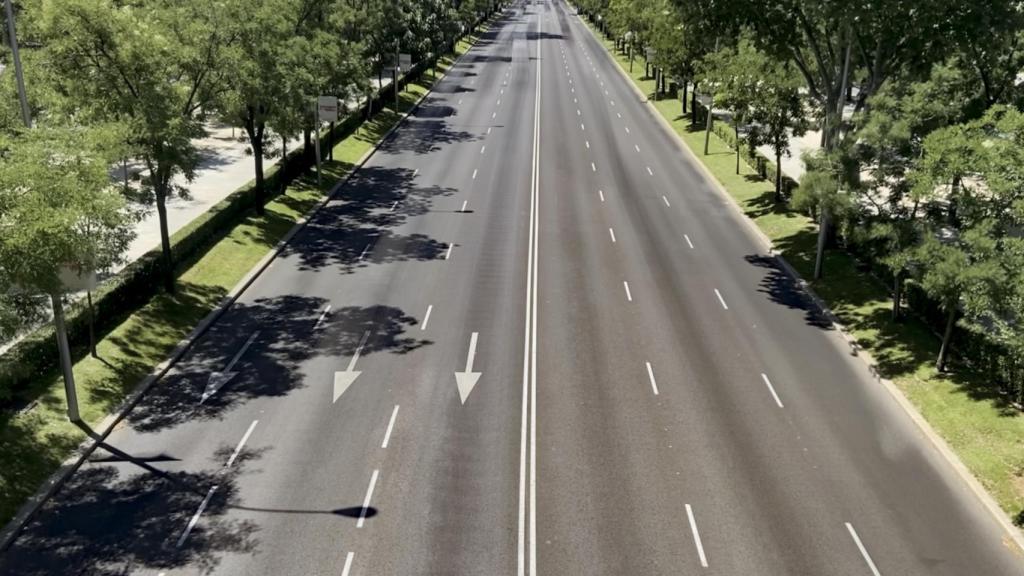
x,y
1015,534
32,505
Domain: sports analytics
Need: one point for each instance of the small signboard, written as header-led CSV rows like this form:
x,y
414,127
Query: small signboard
x,y
327,108
651,52
405,62
704,100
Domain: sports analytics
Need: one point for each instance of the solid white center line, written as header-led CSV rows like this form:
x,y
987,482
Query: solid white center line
x,y
464,203
612,232
863,550
474,174
720,299
772,390
593,167
348,564
323,315
448,254
629,295
391,426
366,501
601,194
650,374
688,241
696,537
426,317
666,201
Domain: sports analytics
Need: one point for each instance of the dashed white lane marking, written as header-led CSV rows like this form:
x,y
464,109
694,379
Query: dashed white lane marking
x,y
363,254
772,390
323,315
863,550
415,172
499,101
366,501
464,203
474,173
720,299
588,144
483,148
688,241
578,113
348,564
582,127
448,254
629,295
637,146
612,233
426,317
651,173
493,115
393,206
650,374
489,129
613,102
666,202
601,194
619,115
627,129
391,426
460,102
696,537
593,167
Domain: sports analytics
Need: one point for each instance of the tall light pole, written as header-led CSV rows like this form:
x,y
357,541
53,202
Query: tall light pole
x,y
19,75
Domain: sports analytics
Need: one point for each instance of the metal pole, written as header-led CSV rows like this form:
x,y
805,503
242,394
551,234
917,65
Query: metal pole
x,y
65,358
316,132
398,49
18,74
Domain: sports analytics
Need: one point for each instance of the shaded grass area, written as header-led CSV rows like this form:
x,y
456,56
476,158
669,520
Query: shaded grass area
x,y
963,408
34,442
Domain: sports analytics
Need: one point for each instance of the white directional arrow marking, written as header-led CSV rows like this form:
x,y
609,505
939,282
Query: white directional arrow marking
x,y
467,380
342,380
219,379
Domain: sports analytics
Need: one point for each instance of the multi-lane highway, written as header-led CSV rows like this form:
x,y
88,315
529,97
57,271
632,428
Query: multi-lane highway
x,y
527,338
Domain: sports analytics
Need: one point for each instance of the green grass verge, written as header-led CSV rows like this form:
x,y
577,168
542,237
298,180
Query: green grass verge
x,y
34,443
987,434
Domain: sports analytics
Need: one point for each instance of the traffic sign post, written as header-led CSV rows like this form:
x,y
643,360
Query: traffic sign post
x,y
324,108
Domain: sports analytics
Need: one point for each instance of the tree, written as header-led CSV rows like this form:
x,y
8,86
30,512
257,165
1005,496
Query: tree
x,y
59,214
821,194
155,67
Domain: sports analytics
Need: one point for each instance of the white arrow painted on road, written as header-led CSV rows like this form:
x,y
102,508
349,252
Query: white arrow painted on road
x,y
342,380
468,379
219,379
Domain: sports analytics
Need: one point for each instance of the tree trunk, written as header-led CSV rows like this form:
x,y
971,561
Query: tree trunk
x,y
947,336
307,142
283,174
255,134
92,325
686,85
897,296
778,175
124,165
165,237
693,102
819,260
707,130
736,129
330,143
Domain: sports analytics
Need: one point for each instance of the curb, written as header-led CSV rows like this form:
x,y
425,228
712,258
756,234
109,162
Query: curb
x,y
10,532
1016,535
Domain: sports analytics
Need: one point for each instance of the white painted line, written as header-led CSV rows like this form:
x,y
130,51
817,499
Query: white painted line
x,y
612,232
588,144
493,115
629,295
483,148
426,317
415,172
696,537
772,390
605,92
241,444
499,101
574,101
366,501
601,194
448,254
464,203
720,299
323,315
627,129
488,129
474,174
582,127
863,550
619,115
363,254
650,374
393,206
593,167
391,426
613,104
348,564
688,241
573,90
460,102
502,91
637,147
666,201
578,113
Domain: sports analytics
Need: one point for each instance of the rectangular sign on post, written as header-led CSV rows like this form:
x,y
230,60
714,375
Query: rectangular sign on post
x,y
405,62
327,108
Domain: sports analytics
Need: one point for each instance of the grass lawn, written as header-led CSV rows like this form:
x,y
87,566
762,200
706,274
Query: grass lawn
x,y
33,443
974,420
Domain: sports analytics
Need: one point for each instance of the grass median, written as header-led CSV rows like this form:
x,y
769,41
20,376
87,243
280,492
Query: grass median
x,y
35,441
971,417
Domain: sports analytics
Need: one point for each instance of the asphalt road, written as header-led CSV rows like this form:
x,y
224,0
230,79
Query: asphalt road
x,y
528,338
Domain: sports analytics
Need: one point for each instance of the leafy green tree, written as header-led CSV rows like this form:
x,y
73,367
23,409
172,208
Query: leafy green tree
x,y
820,192
155,66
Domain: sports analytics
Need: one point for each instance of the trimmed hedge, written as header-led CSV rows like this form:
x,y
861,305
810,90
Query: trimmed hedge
x,y
27,364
